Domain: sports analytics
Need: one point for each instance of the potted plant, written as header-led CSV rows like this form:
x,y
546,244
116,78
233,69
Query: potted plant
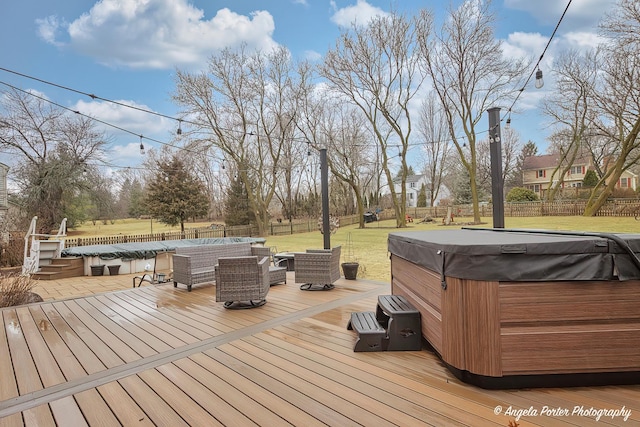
x,y
351,265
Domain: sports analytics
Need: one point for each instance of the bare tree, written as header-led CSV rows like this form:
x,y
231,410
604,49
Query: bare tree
x,y
53,150
376,68
331,122
245,107
510,148
433,128
349,151
617,97
470,74
571,109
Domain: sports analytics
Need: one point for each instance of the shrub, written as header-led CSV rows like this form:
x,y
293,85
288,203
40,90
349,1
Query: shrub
x,y
519,194
16,290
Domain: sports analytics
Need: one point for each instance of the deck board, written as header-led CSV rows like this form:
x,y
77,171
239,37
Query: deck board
x,y
107,355
67,413
95,409
46,365
69,339
155,408
228,392
121,340
124,408
322,413
25,371
156,355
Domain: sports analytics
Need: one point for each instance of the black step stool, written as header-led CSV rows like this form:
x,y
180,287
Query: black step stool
x,y
402,322
370,334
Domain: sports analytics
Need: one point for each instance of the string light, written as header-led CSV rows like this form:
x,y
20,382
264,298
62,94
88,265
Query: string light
x,y
539,80
538,72
141,146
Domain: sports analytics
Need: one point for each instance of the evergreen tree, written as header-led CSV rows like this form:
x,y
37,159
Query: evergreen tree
x,y
174,195
590,179
515,177
422,197
137,207
462,188
237,210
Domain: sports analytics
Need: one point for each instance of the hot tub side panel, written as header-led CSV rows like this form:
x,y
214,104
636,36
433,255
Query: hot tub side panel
x,y
461,322
422,288
570,327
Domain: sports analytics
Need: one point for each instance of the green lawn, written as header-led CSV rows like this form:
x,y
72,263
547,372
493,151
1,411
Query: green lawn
x,y
369,245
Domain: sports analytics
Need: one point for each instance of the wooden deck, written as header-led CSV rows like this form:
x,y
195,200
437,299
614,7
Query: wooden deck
x,y
163,356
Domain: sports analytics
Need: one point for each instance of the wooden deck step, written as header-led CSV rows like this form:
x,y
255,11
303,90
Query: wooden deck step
x,y
61,268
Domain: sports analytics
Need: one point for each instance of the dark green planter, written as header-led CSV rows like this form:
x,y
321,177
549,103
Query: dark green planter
x,y
97,270
350,270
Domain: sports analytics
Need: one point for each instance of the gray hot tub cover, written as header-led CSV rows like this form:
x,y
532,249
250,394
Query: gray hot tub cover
x,y
518,255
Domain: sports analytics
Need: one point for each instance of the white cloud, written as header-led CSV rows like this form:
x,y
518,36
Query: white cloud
x,y
523,45
581,40
312,55
582,15
48,28
132,120
160,33
360,13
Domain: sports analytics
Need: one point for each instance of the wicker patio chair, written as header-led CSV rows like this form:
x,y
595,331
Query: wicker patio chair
x,y
317,269
242,282
277,274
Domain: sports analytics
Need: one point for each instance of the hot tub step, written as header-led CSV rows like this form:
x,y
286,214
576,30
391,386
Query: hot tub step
x,y
402,322
370,334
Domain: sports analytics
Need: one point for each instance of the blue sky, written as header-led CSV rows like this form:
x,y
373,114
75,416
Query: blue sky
x,y
128,50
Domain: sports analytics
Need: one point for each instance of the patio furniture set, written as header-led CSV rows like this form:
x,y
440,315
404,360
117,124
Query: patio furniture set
x,y
244,273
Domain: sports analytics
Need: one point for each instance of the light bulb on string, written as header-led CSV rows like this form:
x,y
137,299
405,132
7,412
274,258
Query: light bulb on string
x,y
539,80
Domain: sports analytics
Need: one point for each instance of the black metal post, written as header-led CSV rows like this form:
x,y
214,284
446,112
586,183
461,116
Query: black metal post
x,y
497,186
324,178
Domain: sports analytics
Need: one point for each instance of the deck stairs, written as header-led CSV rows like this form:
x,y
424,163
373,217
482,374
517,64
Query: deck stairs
x,y
42,255
60,268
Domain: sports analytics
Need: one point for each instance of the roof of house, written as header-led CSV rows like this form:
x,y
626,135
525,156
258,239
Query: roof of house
x,y
410,178
550,161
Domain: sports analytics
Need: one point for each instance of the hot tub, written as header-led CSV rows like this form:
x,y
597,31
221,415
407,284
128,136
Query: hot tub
x,y
524,308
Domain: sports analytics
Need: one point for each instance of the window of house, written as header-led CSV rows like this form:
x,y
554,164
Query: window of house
x,y
624,182
412,185
536,188
541,173
410,196
576,170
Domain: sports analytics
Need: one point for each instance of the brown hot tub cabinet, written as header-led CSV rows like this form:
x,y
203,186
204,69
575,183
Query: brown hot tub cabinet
x,y
508,308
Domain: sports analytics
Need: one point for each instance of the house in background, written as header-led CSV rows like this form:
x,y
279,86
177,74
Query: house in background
x,y
414,184
537,171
